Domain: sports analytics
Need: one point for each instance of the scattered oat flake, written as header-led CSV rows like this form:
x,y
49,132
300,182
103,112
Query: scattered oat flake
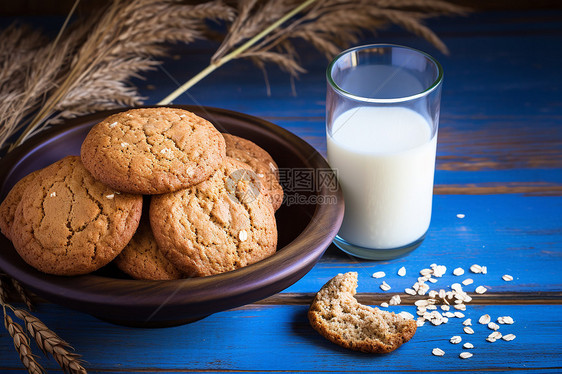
x,y
458,271
384,304
384,286
438,352
493,326
507,278
460,307
243,235
420,322
110,196
467,322
508,337
468,330
410,291
477,269
406,315
379,274
480,289
445,307
459,315
484,270
455,339
53,194
395,300
402,271
464,355
467,281
507,320
467,345
460,215
484,319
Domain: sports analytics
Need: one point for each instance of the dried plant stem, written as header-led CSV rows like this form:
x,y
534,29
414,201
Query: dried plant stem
x,y
21,343
51,343
232,55
22,293
47,340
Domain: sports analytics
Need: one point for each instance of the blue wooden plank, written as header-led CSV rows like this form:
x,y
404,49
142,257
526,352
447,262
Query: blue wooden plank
x,y
510,234
279,338
511,73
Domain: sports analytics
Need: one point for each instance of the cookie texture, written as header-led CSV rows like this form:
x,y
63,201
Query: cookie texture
x,y
153,150
219,225
340,318
10,203
260,162
142,259
69,223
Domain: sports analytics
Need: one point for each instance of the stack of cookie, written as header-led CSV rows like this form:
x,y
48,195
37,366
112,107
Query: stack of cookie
x,y
209,201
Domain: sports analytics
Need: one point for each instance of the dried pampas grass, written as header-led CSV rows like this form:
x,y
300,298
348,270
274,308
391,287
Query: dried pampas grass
x,y
264,31
88,67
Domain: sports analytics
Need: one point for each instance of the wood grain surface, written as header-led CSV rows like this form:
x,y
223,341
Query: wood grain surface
x,y
499,163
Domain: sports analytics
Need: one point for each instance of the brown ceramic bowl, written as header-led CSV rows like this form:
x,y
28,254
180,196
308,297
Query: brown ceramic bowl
x,y
305,231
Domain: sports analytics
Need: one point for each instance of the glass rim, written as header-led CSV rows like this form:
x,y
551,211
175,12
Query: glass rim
x,y
348,94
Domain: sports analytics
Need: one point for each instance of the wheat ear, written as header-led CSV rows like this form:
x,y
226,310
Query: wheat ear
x,y
50,343
232,55
21,343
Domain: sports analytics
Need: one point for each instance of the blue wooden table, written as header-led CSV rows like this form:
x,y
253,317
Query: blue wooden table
x,y
499,164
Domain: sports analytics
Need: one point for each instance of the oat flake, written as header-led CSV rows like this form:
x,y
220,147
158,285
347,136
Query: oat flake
x,y
508,337
485,319
243,235
464,355
402,271
438,352
455,339
384,286
379,274
507,278
480,289
458,271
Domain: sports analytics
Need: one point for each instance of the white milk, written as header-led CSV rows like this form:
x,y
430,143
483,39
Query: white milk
x,y
385,161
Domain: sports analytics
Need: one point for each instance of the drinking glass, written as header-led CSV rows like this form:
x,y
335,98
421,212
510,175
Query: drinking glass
x,y
382,114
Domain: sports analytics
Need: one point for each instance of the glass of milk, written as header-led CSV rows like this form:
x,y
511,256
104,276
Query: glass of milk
x,y
382,114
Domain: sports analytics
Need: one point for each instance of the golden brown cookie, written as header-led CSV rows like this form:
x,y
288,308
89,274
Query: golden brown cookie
x,y
142,259
261,163
340,318
221,224
153,151
10,203
69,223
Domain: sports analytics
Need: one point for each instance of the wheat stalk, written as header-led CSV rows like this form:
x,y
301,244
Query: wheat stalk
x,y
21,344
50,343
47,340
22,293
262,30
93,61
